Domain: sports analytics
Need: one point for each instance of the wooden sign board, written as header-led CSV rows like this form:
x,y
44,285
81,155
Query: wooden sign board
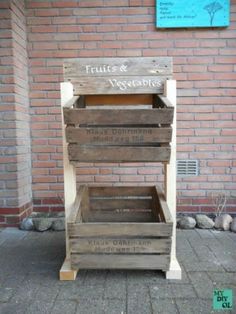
x,y
192,13
93,76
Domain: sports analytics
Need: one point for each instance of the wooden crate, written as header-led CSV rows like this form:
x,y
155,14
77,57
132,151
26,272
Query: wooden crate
x,y
120,228
118,135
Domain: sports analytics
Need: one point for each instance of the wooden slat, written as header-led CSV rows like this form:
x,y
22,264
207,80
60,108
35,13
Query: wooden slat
x,y
113,216
118,85
106,67
85,206
120,203
116,136
70,103
66,273
120,191
75,209
121,245
118,117
114,100
117,154
163,205
164,101
117,229
112,261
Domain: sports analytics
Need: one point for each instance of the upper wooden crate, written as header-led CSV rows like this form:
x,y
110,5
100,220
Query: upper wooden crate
x,y
105,126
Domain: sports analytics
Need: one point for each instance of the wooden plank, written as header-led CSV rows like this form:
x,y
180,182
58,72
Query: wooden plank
x,y
163,205
121,245
113,100
66,272
122,216
158,214
119,85
164,101
120,203
74,210
118,116
66,89
120,191
117,154
106,67
117,229
116,136
112,261
85,206
71,102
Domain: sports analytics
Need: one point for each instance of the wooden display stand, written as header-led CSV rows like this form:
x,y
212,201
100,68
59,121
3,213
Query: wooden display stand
x,y
119,110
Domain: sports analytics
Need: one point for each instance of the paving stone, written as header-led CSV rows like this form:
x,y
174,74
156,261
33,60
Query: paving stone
x,y
13,233
205,234
223,278
145,276
194,306
202,284
76,293
164,306
161,291
14,308
46,294
114,306
62,307
187,256
138,299
203,266
39,307
95,277
115,285
26,291
91,306
5,294
204,254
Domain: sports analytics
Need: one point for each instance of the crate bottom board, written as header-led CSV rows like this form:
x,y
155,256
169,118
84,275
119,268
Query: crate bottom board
x,y
119,261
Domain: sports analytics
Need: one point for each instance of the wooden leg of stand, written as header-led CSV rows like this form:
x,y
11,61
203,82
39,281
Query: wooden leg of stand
x,y
66,273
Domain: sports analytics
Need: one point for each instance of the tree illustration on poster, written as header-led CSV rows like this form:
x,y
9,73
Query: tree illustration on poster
x,y
212,8
192,13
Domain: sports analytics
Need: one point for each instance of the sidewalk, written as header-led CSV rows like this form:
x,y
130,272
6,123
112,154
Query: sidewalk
x,y
30,262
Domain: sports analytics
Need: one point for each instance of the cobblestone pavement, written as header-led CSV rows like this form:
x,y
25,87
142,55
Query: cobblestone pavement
x,y
30,262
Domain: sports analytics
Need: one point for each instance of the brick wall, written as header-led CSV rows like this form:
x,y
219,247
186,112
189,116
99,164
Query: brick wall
x,y
15,156
204,66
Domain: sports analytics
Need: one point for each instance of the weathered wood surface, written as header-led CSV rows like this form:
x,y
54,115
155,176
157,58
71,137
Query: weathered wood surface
x,y
121,85
120,203
116,136
117,154
66,273
85,204
163,205
107,67
121,216
118,229
113,261
118,117
118,191
74,211
121,245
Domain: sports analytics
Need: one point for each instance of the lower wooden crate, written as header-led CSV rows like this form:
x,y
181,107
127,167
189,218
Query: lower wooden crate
x,y
120,228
